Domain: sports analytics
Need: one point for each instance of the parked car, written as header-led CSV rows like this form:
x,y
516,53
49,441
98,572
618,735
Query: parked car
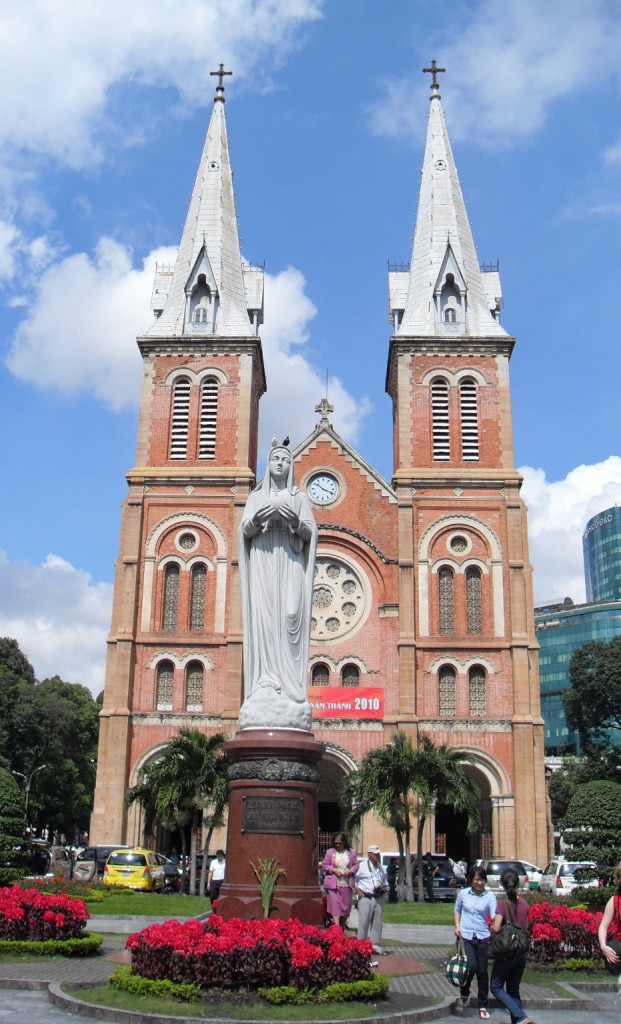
x,y
91,861
558,879
495,867
47,861
534,874
446,884
134,868
172,873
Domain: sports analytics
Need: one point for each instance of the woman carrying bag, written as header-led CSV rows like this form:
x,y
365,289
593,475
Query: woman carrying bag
x,y
473,907
340,865
510,954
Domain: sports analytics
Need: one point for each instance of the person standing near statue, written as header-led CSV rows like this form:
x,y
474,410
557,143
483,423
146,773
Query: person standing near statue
x,y
371,885
277,544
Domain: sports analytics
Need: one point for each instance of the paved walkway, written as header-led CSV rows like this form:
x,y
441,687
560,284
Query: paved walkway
x,y
28,986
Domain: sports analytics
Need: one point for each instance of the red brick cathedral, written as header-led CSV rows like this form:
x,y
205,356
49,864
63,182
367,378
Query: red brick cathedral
x,y
423,610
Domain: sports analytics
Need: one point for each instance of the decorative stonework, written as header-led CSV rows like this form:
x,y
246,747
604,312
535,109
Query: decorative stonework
x,y
339,599
274,770
466,725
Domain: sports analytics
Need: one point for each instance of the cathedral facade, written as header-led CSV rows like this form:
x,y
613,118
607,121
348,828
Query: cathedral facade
x,y
422,604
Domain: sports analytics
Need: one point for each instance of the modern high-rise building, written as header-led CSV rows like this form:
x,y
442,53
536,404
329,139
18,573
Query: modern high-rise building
x,y
601,546
422,606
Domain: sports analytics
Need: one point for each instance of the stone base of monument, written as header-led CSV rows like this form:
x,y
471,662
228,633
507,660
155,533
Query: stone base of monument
x,y
274,781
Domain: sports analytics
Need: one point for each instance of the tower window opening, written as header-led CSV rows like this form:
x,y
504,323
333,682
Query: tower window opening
x,y
446,596
440,420
194,687
171,597
474,614
320,675
469,420
450,315
180,419
164,686
447,701
477,691
350,675
209,417
198,584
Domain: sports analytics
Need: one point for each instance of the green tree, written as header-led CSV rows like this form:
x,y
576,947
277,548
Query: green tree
x,y
12,837
593,822
185,785
599,763
593,703
15,671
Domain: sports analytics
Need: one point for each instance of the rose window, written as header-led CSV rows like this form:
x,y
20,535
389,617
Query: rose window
x,y
338,599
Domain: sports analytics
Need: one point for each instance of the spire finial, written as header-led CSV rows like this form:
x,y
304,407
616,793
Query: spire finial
x,y
433,70
324,409
220,87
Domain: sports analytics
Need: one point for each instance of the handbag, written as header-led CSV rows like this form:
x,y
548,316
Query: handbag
x,y
511,941
457,966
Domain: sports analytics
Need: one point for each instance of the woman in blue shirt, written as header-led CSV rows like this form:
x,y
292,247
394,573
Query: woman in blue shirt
x,y
475,907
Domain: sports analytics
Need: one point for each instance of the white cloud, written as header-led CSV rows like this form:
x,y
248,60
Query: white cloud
x,y
508,63
59,617
59,62
557,514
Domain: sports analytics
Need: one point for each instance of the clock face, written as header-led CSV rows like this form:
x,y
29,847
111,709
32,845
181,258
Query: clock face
x,y
323,488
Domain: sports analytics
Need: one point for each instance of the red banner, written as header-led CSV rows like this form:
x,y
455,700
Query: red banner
x,y
346,702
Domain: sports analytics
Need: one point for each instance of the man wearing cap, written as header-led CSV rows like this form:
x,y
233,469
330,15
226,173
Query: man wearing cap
x,y
371,885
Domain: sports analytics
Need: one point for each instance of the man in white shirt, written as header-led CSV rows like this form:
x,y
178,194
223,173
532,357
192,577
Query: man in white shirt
x,y
215,877
371,885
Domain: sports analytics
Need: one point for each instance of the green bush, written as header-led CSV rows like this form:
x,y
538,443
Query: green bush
x,y
340,992
576,963
86,946
12,843
593,822
124,979
592,895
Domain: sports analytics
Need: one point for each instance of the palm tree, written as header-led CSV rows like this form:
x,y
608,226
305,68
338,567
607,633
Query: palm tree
x,y
185,785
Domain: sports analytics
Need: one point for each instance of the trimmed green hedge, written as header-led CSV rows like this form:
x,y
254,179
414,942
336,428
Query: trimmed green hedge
x,y
125,980
86,946
340,992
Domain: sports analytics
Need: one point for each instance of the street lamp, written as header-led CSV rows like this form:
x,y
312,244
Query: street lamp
x,y
28,783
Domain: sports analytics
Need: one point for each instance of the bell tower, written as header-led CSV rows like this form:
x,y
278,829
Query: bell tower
x,y
467,652
174,649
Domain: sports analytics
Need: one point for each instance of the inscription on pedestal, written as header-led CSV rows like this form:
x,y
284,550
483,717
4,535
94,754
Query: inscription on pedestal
x,y
283,815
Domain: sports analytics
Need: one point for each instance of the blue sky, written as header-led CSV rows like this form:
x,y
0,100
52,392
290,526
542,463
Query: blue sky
x,y
103,112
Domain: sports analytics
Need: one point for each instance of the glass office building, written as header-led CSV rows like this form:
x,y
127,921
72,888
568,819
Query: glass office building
x,y
561,629
601,546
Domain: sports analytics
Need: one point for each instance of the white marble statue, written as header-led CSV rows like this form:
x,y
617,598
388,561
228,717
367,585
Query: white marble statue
x,y
277,543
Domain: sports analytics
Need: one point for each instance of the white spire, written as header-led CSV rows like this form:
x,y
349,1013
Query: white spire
x,y
443,292
209,290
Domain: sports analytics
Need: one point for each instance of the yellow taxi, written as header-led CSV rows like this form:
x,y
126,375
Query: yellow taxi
x,y
135,869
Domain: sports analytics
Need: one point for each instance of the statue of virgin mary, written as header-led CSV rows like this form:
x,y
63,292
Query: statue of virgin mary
x,y
277,543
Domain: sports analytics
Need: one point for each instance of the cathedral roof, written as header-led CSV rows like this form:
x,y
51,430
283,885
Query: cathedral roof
x,y
444,269
209,258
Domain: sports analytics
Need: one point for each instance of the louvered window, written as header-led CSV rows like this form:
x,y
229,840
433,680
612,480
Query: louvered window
x,y
320,675
350,675
171,596
194,687
446,593
473,601
180,419
197,597
446,692
440,420
165,681
469,420
209,415
477,694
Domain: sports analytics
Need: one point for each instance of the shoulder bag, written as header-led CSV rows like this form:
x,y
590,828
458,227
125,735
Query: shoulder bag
x,y
511,941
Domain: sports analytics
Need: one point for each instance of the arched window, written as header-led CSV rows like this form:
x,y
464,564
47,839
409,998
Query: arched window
x,y
450,315
474,615
320,675
209,416
469,420
164,686
171,596
194,686
200,315
180,419
476,691
447,692
350,675
446,600
198,583
440,420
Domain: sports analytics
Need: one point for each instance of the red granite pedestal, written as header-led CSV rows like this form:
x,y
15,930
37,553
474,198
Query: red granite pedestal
x,y
274,781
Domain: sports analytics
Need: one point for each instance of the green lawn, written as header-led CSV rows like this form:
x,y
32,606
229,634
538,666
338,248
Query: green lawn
x,y
150,904
418,913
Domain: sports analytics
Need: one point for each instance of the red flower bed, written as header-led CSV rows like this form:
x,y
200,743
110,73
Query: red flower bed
x,y
248,954
558,933
35,916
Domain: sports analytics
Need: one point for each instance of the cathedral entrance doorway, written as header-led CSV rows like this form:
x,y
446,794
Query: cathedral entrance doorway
x,y
451,824
334,768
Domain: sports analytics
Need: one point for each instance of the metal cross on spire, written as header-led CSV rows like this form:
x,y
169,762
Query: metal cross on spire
x,y
220,87
434,70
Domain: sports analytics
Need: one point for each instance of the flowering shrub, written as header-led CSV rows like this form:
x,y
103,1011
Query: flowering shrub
x,y
560,933
27,914
248,954
90,892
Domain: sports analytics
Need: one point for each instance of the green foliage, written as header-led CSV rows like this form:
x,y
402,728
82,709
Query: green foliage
x,y
596,896
268,873
88,945
373,990
15,672
11,829
124,979
593,822
576,963
593,703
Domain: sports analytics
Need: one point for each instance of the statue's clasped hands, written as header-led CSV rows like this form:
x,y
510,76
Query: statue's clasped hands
x,y
271,510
